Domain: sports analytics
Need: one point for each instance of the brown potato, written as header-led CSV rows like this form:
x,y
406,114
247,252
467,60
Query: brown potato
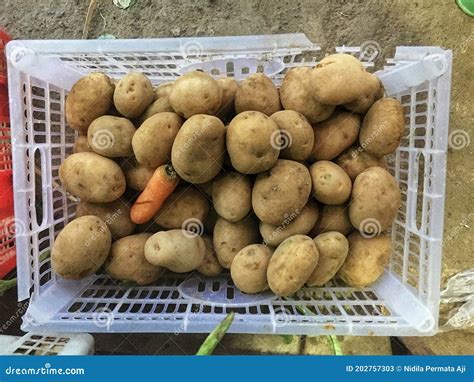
x,y
232,196
366,260
375,200
280,192
136,174
111,136
334,135
115,214
81,248
158,106
198,149
154,139
333,218
133,94
92,177
331,185
292,264
372,92
195,93
297,223
229,88
89,98
229,238
253,141
257,93
210,265
355,160
184,205
81,145
383,127
163,90
333,248
249,268
127,261
297,136
296,94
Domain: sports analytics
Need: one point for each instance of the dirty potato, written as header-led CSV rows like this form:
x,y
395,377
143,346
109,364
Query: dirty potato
x,y
257,93
249,268
232,196
210,265
331,185
133,94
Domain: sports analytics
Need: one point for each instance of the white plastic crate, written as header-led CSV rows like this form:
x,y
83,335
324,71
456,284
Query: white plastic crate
x,y
47,344
404,302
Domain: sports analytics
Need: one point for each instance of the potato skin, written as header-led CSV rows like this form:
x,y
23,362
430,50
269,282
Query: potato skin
x,y
92,177
334,135
249,268
154,139
292,264
195,93
333,218
297,136
127,261
296,94
163,90
133,94
198,149
232,196
81,145
331,185
383,127
333,248
136,174
258,93
229,88
176,250
183,204
366,259
371,93
298,223
229,238
281,191
81,248
89,98
355,160
115,214
210,265
250,141
111,136
375,200
160,105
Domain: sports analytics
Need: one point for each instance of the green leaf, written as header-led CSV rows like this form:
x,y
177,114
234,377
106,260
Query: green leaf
x,y
124,4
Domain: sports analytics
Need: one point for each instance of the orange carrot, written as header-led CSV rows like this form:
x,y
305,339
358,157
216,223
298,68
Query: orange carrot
x,y
158,188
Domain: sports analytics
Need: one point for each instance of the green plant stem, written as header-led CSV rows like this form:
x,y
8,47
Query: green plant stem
x,y
216,336
5,285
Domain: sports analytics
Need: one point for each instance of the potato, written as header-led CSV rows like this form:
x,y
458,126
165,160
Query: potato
x,y
133,94
111,136
383,127
115,214
163,90
332,218
184,205
210,265
229,238
232,196
296,94
127,261
280,192
334,135
81,248
154,138
136,174
331,185
333,248
300,222
366,259
339,79
292,264
375,200
372,92
92,177
89,98
198,149
195,93
297,136
158,106
257,93
229,88
249,268
81,145
355,160
176,250
253,142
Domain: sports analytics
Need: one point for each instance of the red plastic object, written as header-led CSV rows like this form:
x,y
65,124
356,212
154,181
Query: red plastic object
x,y
7,220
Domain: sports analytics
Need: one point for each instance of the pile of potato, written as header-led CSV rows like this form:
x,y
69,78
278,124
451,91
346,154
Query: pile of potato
x,y
284,187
